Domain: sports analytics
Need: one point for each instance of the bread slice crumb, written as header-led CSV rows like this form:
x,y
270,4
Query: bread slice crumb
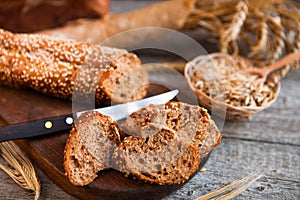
x,y
91,142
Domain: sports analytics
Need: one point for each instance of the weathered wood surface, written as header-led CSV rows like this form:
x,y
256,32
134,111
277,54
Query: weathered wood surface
x,y
269,143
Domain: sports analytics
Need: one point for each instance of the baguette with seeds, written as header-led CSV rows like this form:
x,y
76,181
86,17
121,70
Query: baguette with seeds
x,y
63,67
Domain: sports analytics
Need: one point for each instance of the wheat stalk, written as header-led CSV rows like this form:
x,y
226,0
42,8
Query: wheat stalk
x,y
211,27
290,15
231,190
21,169
254,4
255,29
234,27
297,38
262,36
296,28
219,9
289,10
198,16
277,45
211,13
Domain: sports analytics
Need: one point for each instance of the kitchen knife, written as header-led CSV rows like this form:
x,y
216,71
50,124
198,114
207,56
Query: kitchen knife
x,y
63,123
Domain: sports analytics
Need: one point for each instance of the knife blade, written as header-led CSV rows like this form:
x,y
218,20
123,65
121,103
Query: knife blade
x,y
64,122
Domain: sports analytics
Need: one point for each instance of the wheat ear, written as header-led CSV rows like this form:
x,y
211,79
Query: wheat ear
x,y
262,36
231,190
21,169
277,49
220,9
234,28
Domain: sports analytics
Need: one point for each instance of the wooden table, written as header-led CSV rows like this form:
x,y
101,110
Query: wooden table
x,y
269,143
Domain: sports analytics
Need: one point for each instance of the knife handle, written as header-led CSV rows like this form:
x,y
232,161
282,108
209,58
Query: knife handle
x,y
36,128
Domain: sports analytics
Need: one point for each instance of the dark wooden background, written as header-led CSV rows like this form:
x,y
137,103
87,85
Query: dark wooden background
x,y
269,143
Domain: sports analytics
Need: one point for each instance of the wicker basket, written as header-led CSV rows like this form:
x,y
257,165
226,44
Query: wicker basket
x,y
233,113
218,107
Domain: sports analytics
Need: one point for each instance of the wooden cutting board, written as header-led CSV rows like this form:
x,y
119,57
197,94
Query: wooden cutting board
x,y
47,151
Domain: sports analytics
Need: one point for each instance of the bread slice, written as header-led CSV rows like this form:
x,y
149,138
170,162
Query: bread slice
x,y
157,158
80,165
92,140
191,123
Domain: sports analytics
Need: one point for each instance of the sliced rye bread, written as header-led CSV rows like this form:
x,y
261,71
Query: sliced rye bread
x,y
164,148
92,140
80,165
157,158
191,123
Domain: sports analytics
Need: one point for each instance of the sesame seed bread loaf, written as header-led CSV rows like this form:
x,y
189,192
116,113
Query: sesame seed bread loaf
x,y
91,142
63,67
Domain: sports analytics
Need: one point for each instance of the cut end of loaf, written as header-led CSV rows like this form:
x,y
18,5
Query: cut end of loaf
x,y
128,82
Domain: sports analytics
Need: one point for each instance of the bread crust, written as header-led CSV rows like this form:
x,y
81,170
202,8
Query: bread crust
x,y
63,67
